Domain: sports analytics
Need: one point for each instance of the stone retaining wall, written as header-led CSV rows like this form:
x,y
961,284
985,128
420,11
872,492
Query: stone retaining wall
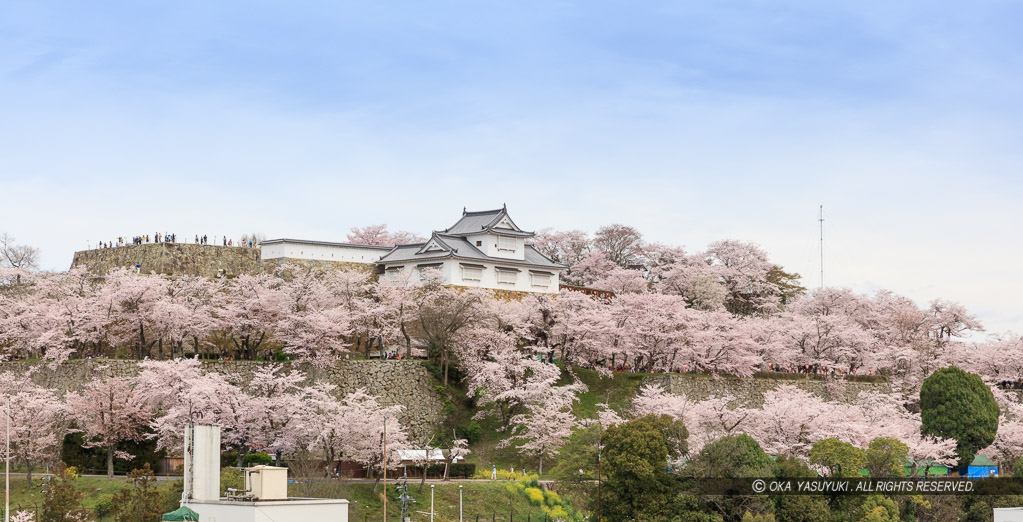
x,y
750,392
173,259
407,383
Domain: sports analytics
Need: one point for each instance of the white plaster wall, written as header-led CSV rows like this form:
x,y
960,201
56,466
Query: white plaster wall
x,y
295,510
523,283
489,246
348,254
452,271
1013,514
206,474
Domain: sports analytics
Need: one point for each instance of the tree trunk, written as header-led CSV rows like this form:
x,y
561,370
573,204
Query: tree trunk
x,y
28,472
110,460
444,361
408,340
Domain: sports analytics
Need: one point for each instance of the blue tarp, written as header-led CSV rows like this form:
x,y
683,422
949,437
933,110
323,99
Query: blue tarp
x,y
976,472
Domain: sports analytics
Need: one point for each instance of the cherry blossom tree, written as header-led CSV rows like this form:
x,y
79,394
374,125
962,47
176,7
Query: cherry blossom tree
x,y
543,429
443,312
380,236
108,412
315,324
950,319
370,235
186,313
180,392
56,319
130,300
562,247
282,413
38,421
397,311
251,306
706,420
622,281
459,449
355,430
17,261
743,268
594,266
582,329
622,244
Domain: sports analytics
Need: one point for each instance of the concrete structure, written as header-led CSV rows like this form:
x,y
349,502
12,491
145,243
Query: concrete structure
x,y
267,482
484,249
202,463
265,498
290,510
1011,514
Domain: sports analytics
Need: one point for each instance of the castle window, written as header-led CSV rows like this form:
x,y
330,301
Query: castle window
x,y
540,279
507,277
470,273
506,243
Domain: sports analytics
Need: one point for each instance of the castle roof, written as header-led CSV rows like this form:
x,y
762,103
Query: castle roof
x,y
442,246
486,221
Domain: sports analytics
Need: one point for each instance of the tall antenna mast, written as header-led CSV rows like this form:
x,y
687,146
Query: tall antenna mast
x,y
820,220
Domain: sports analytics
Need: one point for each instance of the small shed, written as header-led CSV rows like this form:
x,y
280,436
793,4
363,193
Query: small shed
x,y
981,467
925,468
182,513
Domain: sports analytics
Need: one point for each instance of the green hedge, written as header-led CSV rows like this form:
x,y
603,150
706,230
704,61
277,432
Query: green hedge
x,y
459,470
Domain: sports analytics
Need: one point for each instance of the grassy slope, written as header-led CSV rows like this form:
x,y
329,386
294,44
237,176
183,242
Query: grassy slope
x,y
616,390
479,498
25,497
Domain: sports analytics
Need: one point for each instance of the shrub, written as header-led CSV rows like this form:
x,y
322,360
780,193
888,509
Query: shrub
x,y
253,459
105,507
535,496
231,478
228,458
140,499
470,431
551,498
462,469
558,513
530,481
458,470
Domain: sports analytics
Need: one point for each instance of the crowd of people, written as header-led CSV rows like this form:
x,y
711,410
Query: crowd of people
x,y
173,238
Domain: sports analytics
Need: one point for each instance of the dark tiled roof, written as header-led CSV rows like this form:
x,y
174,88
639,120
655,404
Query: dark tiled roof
x,y
321,243
462,249
483,220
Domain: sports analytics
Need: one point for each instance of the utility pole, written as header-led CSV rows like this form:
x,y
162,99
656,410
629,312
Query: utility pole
x,y
7,464
820,220
599,510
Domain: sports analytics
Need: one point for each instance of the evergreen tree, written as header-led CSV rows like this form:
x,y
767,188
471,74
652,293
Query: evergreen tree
x,y
958,405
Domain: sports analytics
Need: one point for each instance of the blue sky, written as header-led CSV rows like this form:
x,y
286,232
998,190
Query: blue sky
x,y
692,121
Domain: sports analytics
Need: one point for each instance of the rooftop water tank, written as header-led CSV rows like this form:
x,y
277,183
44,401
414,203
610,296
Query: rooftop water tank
x,y
267,482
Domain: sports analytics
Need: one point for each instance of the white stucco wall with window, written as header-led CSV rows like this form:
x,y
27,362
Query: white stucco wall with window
x,y
464,273
505,247
322,251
